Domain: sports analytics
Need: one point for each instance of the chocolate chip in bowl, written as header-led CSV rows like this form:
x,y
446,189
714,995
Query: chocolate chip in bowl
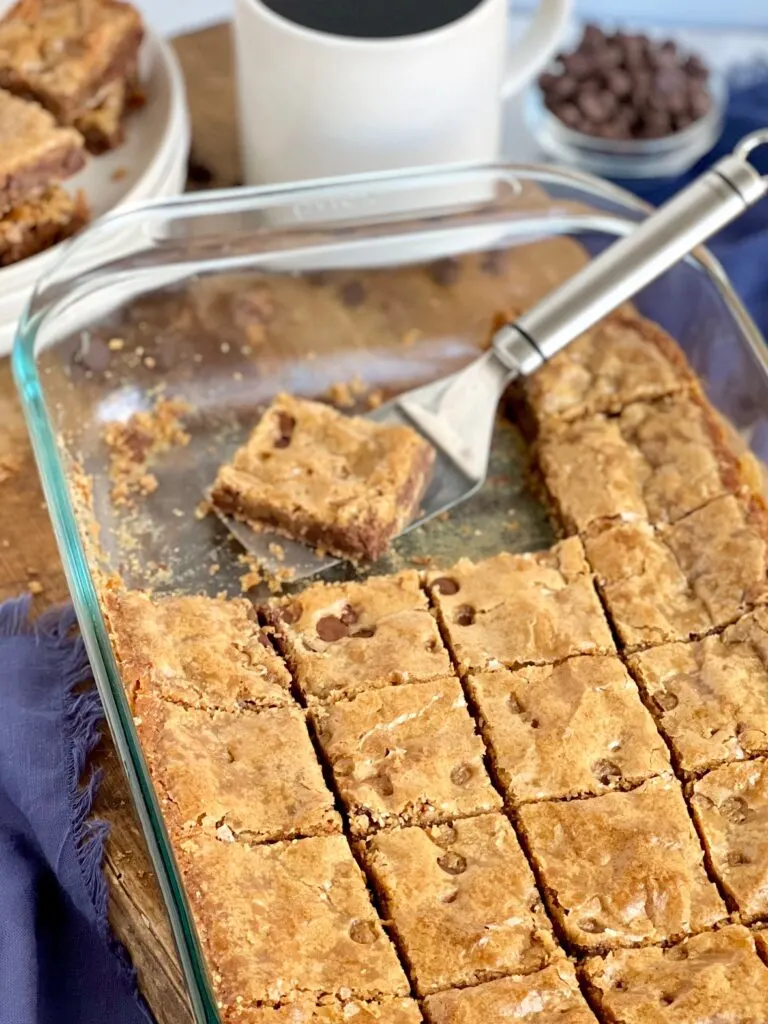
x,y
626,105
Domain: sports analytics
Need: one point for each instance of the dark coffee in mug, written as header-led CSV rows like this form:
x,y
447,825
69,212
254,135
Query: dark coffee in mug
x,y
372,19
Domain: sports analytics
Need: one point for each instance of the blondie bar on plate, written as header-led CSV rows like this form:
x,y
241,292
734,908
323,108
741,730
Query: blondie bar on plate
x,y
34,150
38,222
63,53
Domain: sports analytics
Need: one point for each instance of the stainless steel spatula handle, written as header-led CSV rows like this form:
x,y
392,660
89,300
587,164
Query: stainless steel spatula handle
x,y
719,196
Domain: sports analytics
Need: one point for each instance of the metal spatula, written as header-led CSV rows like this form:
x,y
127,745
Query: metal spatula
x,y
456,414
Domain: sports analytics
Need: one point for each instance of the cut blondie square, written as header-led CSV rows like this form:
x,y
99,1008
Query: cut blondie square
x,y
251,776
350,1011
62,53
38,222
723,550
343,638
406,755
713,977
710,698
286,920
34,151
340,483
195,651
684,580
102,123
622,869
574,729
657,461
462,901
513,610
624,359
731,808
552,996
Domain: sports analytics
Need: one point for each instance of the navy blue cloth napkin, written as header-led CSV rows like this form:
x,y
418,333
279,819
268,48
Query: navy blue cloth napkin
x,y
58,964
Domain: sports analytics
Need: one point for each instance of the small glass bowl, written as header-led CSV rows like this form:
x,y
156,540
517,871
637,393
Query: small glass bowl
x,y
627,158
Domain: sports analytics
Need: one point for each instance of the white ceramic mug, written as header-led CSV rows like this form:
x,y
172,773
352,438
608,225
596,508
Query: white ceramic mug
x,y
313,104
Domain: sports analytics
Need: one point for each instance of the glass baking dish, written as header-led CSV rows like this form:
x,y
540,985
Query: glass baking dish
x,y
166,300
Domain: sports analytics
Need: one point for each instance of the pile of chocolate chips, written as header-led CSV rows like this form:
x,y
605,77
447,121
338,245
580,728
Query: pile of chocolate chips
x,y
625,86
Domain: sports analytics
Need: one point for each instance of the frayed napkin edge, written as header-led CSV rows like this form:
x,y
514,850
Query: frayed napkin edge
x,y
57,629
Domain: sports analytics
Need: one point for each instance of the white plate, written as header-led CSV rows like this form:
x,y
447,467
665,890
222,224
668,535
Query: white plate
x,y
150,163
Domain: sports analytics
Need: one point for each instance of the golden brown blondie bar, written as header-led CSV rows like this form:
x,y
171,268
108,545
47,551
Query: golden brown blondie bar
x,y
251,775
349,1011
681,581
552,996
462,901
406,755
38,222
566,730
710,698
657,461
286,920
513,610
717,976
343,638
340,483
196,651
731,807
34,152
63,52
622,869
623,359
